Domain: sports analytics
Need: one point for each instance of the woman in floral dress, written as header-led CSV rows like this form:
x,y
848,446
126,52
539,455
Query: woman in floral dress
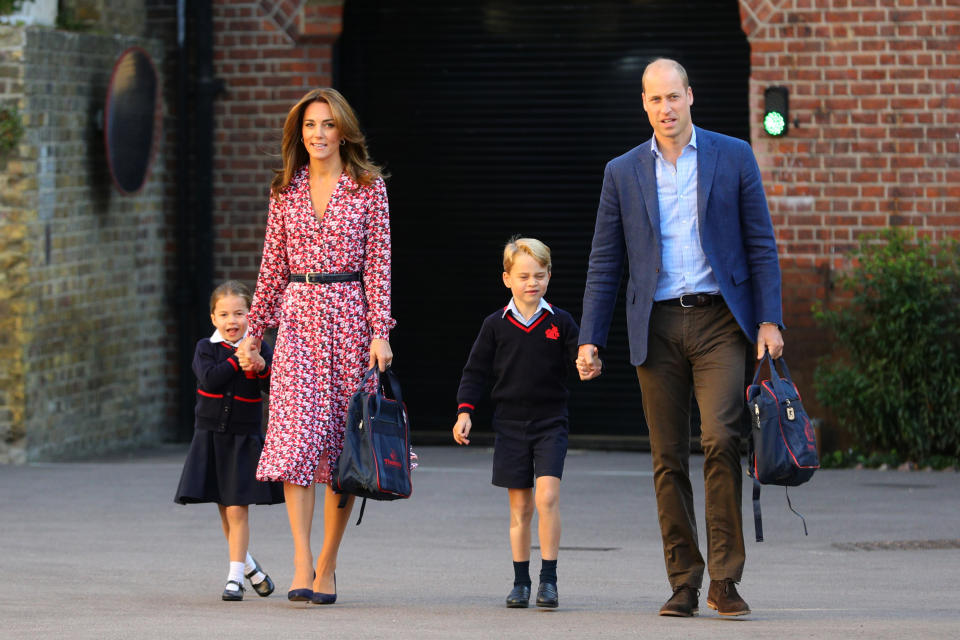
x,y
328,215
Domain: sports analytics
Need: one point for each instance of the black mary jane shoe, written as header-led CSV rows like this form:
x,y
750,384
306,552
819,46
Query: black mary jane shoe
x,y
233,594
547,595
519,597
325,598
265,587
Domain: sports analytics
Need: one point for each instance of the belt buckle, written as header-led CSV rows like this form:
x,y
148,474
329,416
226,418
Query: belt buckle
x,y
687,306
313,274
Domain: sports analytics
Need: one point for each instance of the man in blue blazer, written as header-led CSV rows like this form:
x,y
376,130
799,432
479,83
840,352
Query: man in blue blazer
x,y
687,212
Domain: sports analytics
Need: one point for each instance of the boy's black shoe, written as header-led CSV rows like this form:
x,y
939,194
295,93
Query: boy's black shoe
x,y
519,597
724,598
683,603
547,595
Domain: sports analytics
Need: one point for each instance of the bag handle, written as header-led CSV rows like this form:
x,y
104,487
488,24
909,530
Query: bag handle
x,y
775,376
394,384
391,379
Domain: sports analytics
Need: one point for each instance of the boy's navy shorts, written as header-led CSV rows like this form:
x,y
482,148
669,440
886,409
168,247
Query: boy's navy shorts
x,y
525,449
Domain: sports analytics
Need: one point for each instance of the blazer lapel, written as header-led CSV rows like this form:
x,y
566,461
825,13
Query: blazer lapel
x,y
706,167
647,179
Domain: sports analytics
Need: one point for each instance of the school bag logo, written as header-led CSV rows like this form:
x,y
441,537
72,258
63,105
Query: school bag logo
x,y
553,332
393,460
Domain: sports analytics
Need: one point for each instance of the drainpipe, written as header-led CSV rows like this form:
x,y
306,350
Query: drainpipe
x,y
208,88
196,91
184,294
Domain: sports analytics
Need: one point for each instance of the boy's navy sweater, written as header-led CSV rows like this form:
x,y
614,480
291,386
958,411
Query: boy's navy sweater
x,y
528,366
227,400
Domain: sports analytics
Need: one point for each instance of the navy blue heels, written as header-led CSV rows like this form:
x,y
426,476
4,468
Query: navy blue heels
x,y
325,598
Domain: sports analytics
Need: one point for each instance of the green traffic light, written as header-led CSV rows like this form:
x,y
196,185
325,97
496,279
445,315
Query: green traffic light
x,y
774,123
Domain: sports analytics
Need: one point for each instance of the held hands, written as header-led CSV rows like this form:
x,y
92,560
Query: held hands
x,y
248,353
588,362
462,429
257,364
380,354
769,339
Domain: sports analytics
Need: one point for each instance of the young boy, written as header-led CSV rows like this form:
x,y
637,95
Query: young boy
x,y
527,349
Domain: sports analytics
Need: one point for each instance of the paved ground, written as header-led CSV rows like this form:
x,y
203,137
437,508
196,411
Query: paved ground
x,y
99,550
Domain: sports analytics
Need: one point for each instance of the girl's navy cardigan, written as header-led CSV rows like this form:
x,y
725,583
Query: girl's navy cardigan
x,y
228,400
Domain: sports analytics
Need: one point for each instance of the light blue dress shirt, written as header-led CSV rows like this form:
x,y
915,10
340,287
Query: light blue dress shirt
x,y
684,266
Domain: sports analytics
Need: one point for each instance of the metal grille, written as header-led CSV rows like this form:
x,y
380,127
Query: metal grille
x,y
495,118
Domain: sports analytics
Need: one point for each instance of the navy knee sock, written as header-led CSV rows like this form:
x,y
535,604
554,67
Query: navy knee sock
x,y
521,573
548,571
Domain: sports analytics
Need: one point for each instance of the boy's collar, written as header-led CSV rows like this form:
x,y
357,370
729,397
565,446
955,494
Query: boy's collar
x,y
512,306
216,337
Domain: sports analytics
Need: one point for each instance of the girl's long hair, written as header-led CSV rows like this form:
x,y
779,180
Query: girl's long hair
x,y
353,153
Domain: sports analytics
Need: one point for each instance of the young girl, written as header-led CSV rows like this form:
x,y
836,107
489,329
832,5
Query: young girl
x,y
228,435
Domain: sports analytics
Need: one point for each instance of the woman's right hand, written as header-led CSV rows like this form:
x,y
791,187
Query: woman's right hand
x,y
462,429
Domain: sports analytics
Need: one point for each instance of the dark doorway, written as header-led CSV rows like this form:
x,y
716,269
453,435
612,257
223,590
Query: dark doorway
x,y
497,117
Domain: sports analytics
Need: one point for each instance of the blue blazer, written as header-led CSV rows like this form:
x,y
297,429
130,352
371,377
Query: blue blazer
x,y
735,232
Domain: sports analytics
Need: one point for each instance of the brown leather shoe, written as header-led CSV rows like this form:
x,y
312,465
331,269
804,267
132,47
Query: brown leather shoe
x,y
683,603
724,598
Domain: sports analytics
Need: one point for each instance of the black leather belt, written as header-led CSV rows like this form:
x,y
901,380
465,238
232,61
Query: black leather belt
x,y
315,277
693,300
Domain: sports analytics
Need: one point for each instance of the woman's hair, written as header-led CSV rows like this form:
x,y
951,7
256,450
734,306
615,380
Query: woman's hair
x,y
530,246
230,288
353,152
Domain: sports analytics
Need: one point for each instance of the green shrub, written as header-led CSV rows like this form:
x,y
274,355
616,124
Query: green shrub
x,y
841,459
893,381
11,128
10,6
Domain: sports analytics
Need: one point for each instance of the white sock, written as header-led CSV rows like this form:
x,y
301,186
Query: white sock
x,y
249,566
236,573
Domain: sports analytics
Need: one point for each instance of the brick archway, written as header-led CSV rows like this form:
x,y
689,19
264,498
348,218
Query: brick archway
x,y
305,20
874,93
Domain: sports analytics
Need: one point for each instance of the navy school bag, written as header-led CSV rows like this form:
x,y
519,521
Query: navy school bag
x,y
782,444
375,460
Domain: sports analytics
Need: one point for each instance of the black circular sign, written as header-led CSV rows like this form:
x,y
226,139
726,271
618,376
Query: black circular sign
x,y
130,119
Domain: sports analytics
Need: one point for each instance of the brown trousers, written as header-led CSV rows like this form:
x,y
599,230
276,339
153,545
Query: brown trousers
x,y
702,350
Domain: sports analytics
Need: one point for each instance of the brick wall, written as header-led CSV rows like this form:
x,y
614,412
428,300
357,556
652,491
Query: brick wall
x,y
87,311
875,89
15,200
104,16
268,54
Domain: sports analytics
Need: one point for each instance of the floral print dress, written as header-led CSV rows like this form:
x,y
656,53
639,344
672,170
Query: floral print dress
x,y
323,342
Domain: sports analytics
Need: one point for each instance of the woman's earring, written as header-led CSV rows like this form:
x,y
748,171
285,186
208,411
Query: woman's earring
x,y
343,142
